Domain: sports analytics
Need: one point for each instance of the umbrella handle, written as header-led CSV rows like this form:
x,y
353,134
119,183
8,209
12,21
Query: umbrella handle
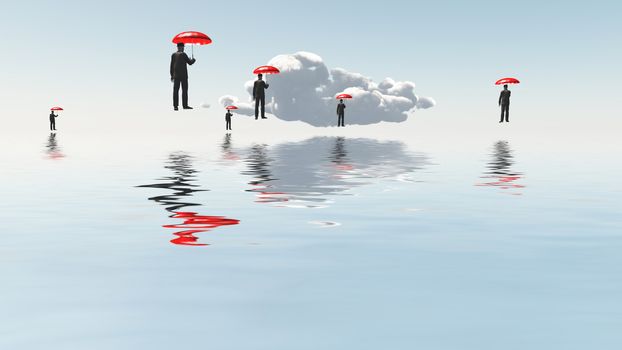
x,y
192,50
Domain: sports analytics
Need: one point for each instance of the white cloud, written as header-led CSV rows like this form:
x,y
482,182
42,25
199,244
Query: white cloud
x,y
244,108
306,89
205,105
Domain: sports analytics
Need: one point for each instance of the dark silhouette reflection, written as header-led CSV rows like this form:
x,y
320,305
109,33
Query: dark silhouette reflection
x,y
258,164
304,174
181,183
228,153
500,173
52,149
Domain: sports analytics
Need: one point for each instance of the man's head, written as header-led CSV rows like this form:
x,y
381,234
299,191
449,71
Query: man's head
x,y
340,101
259,76
180,47
505,87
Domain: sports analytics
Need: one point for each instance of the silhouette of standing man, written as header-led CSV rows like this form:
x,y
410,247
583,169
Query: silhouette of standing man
x,y
179,76
53,121
228,120
259,94
341,112
504,102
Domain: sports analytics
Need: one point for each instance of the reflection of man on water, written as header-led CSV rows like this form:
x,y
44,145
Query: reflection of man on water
x,y
500,173
504,102
182,185
259,94
52,150
53,121
341,111
179,76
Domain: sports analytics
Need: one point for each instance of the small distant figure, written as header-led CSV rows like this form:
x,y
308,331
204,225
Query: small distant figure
x,y
228,120
341,112
179,76
259,94
504,102
53,121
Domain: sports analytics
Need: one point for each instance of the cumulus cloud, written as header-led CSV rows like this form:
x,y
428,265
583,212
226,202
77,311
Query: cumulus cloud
x,y
306,89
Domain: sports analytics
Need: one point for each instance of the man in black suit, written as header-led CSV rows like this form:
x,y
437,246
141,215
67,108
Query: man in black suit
x,y
259,94
228,120
53,121
504,102
179,76
341,112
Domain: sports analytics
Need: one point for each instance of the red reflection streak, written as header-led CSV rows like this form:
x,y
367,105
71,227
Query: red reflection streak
x,y
269,197
231,156
55,155
344,167
341,169
194,223
503,182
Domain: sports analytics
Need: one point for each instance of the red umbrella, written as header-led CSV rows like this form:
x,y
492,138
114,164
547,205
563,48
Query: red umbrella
x,y
192,38
343,96
231,107
507,81
266,70
56,109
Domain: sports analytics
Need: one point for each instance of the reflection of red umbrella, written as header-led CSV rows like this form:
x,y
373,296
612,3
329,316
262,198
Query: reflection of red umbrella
x,y
194,223
343,96
56,109
507,81
192,38
231,108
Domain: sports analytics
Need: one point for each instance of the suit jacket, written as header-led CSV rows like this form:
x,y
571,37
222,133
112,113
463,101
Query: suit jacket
x,y
179,62
228,116
259,88
53,117
341,108
504,98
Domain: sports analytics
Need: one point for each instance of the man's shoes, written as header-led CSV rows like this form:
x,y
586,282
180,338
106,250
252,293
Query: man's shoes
x,y
500,121
175,108
264,118
255,118
188,107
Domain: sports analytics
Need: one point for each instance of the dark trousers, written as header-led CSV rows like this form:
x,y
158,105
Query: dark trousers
x,y
505,110
260,100
228,124
184,92
340,120
52,125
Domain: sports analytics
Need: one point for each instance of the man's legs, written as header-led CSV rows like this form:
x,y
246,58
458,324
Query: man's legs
x,y
256,107
507,113
176,92
184,92
502,112
263,107
52,126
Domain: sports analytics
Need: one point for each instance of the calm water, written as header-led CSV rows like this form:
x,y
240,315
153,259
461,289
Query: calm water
x,y
319,243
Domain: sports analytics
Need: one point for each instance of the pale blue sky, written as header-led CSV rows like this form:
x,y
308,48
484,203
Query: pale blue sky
x,y
87,54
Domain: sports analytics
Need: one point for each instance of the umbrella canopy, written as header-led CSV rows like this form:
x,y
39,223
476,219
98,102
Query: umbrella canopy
x,y
343,96
231,108
266,70
196,38
56,109
507,81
